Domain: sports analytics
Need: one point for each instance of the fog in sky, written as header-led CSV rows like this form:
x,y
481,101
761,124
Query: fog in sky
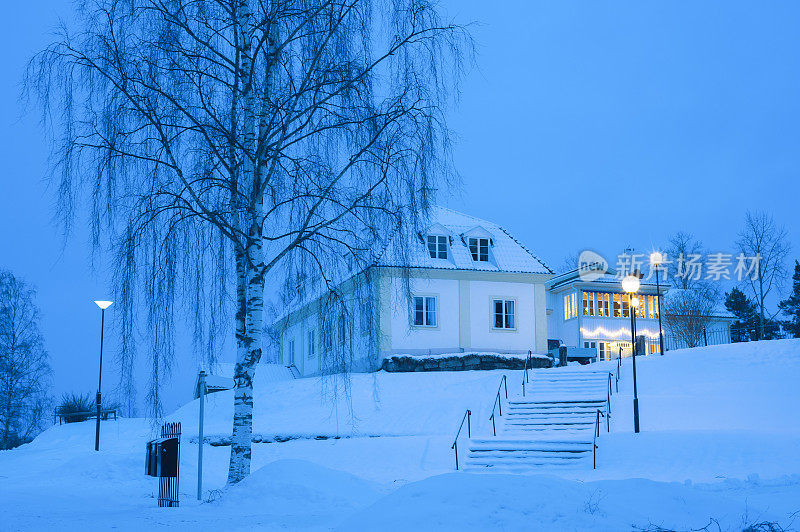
x,y
584,124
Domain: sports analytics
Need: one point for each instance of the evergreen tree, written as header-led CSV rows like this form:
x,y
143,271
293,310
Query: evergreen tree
x,y
741,306
791,306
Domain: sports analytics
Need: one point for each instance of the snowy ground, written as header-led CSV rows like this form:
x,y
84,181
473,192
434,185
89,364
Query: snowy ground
x,y
720,441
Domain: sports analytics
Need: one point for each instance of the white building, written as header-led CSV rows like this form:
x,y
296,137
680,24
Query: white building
x,y
470,287
467,285
595,313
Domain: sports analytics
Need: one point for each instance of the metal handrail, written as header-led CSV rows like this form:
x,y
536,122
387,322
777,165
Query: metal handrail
x,y
289,367
498,403
467,416
525,373
596,435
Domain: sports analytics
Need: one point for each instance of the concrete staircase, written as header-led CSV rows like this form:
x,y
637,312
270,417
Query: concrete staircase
x,y
556,423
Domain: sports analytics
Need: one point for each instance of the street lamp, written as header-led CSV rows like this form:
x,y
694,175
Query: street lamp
x,y
656,260
631,285
103,306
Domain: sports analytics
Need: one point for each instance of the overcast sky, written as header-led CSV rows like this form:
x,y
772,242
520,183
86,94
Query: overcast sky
x,y
585,124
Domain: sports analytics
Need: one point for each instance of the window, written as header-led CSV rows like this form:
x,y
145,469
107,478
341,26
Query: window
x,y
588,303
625,306
366,317
312,345
342,328
327,341
291,351
437,246
617,305
606,305
650,307
602,350
574,305
504,317
570,306
655,305
424,311
479,248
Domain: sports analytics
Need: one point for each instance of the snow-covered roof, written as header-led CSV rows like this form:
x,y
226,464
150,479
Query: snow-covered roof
x,y
506,254
610,277
220,377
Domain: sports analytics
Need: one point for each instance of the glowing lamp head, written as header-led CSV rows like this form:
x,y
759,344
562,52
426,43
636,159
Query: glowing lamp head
x,y
630,283
103,304
634,302
656,258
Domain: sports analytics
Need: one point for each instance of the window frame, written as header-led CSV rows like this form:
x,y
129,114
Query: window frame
x,y
413,311
311,342
477,254
504,300
440,244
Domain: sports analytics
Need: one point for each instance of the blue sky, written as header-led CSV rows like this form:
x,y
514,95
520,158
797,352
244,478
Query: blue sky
x,y
585,124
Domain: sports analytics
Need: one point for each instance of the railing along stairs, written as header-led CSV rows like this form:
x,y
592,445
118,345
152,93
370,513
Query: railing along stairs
x,y
548,425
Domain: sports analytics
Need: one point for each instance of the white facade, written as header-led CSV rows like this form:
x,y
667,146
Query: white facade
x,y
464,284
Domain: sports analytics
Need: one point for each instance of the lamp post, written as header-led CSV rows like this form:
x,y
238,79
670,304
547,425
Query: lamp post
x,y
656,260
631,285
103,306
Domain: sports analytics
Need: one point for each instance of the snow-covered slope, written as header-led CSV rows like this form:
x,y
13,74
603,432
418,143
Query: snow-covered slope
x,y
720,439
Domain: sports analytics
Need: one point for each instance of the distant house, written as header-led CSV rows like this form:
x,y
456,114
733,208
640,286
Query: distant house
x,y
464,284
595,313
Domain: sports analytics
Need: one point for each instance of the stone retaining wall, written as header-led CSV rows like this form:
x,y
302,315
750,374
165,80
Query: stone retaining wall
x,y
467,361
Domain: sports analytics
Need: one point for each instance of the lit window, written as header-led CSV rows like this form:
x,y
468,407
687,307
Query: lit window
x,y
437,246
655,304
312,345
479,248
574,305
586,303
606,305
625,306
650,307
617,306
425,311
504,317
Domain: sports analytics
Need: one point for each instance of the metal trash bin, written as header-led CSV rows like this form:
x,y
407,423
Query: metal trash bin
x,y
163,461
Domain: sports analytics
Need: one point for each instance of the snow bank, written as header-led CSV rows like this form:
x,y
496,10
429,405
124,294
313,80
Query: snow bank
x,y
510,502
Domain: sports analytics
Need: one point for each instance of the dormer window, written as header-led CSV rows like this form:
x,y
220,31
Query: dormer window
x,y
437,246
479,249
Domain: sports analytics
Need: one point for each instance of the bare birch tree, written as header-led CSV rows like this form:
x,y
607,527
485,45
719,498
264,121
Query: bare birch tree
x,y
764,241
24,364
219,140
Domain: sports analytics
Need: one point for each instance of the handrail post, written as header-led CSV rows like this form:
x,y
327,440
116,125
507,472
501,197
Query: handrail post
x,y
456,448
505,386
494,432
469,427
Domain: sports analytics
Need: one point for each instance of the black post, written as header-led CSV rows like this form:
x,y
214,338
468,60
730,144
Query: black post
x,y
658,309
635,391
99,381
705,337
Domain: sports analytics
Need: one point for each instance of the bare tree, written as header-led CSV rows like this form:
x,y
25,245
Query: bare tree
x,y
683,252
687,312
24,364
221,141
764,241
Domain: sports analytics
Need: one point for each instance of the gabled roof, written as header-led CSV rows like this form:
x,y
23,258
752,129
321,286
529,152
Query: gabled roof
x,y
507,254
